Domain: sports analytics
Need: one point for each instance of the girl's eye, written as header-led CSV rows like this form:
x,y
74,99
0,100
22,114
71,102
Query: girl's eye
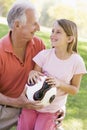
x,y
58,32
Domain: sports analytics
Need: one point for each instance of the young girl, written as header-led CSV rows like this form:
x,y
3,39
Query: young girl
x,y
65,69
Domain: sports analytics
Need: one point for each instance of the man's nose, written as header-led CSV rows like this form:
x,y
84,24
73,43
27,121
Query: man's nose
x,y
38,27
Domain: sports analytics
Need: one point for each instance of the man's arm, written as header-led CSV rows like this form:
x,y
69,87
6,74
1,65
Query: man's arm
x,y
19,102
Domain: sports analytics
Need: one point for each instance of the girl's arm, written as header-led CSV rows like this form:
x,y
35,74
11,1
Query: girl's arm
x,y
71,88
74,86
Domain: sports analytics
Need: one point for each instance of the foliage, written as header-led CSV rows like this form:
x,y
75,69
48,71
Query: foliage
x,y
4,6
3,29
61,11
45,18
76,14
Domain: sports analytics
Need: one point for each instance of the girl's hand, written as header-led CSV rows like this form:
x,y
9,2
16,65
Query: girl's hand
x,y
60,117
34,76
54,82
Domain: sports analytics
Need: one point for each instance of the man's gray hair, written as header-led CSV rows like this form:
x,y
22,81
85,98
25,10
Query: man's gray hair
x,y
17,12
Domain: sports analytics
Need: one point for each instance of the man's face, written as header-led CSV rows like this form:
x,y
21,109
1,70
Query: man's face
x,y
27,30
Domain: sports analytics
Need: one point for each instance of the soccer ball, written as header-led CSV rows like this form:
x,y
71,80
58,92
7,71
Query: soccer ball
x,y
41,91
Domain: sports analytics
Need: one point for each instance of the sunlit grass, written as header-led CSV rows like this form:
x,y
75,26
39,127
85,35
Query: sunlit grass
x,y
3,30
74,124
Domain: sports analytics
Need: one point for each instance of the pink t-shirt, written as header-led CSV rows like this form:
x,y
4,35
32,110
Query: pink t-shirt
x,y
62,69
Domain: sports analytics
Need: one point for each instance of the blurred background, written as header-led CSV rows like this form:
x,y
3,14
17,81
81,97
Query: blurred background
x,y
49,10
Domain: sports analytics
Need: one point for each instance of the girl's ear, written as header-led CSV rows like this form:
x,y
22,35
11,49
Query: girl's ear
x,y
70,39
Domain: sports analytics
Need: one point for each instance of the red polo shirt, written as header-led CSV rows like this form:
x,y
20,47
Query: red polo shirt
x,y
14,73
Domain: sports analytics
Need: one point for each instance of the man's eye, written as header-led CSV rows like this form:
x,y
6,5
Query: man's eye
x,y
52,31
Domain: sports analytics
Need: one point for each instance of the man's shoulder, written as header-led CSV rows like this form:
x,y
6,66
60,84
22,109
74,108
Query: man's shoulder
x,y
3,42
3,39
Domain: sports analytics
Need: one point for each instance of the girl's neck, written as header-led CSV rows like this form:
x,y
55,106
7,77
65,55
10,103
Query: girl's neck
x,y
62,54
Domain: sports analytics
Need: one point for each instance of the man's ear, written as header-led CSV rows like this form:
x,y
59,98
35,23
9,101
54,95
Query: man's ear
x,y
17,24
70,39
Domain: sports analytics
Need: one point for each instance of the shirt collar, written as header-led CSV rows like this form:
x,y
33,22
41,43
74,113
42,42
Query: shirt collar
x,y
7,45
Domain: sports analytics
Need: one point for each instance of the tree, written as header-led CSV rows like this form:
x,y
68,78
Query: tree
x,y
4,6
61,11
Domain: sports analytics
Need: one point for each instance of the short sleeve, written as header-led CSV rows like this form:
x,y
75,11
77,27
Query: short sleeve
x,y
80,67
40,58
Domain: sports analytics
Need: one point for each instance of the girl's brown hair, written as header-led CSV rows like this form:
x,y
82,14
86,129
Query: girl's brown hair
x,y
70,29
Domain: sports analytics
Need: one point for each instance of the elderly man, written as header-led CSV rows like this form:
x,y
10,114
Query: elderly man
x,y
17,49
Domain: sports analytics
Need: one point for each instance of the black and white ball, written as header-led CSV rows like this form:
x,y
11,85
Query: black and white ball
x,y
41,91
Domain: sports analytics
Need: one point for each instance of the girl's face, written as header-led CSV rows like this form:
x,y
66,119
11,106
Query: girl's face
x,y
58,36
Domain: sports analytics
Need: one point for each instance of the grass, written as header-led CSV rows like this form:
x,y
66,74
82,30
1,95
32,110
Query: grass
x,y
76,114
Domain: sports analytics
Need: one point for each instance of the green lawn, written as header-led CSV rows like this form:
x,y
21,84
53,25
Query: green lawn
x,y
76,114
